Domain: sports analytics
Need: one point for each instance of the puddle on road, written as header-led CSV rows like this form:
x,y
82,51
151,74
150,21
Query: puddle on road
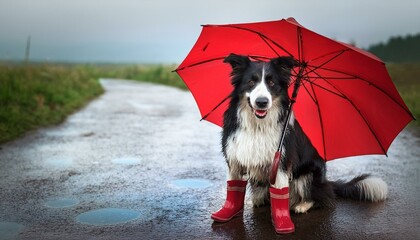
x,y
126,161
10,230
61,203
107,216
191,183
59,162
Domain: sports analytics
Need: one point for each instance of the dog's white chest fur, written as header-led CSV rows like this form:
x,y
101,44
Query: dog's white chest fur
x,y
255,142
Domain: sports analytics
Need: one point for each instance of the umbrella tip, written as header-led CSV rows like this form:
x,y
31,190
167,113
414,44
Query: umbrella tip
x,y
293,20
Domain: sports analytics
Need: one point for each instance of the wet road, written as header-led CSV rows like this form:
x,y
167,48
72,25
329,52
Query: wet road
x,y
137,164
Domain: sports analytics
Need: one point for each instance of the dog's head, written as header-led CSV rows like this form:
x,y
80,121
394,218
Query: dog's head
x,y
261,82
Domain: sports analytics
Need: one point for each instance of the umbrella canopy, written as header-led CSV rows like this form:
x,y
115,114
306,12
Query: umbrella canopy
x,y
347,104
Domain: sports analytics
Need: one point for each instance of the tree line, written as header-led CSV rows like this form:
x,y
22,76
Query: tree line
x,y
398,49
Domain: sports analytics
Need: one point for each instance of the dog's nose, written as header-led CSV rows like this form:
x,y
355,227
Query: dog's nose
x,y
261,102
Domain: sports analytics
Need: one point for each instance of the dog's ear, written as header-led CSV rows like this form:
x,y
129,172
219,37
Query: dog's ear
x,y
284,63
283,66
237,62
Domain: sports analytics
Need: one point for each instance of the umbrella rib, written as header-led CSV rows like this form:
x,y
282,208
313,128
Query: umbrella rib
x,y
253,31
335,71
360,114
216,59
218,105
335,78
338,51
310,95
324,88
262,37
300,44
320,122
328,90
371,84
199,63
326,62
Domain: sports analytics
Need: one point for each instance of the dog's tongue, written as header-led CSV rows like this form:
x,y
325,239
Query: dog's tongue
x,y
261,113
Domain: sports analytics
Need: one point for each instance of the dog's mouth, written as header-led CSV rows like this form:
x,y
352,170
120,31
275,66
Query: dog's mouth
x,y
259,113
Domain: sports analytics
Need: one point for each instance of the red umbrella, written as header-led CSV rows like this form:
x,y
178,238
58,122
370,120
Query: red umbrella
x,y
347,104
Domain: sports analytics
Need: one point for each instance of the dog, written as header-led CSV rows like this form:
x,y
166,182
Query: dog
x,y
251,132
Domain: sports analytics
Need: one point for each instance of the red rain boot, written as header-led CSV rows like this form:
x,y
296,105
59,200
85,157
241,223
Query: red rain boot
x,y
280,213
234,204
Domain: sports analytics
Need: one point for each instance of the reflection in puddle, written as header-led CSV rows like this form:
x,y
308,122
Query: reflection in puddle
x,y
61,203
106,216
192,183
10,230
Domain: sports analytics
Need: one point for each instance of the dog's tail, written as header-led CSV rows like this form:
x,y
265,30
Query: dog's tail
x,y
362,188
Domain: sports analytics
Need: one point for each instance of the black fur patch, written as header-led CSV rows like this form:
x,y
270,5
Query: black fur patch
x,y
350,189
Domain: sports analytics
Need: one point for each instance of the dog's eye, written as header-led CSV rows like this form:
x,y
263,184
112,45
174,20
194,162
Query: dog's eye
x,y
269,80
251,83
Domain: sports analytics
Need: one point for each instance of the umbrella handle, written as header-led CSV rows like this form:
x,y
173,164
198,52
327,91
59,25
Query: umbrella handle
x,y
277,155
273,173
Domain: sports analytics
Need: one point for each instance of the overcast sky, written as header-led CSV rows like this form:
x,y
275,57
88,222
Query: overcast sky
x,y
165,30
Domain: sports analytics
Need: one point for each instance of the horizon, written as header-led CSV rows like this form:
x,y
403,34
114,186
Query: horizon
x,y
127,62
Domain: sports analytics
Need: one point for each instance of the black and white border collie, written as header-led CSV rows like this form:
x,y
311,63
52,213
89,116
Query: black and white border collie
x,y
252,126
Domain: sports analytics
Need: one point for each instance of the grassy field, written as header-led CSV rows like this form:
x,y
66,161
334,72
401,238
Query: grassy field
x,y
39,95
161,74
406,77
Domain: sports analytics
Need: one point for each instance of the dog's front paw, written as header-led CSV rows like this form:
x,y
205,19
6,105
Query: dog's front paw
x,y
303,207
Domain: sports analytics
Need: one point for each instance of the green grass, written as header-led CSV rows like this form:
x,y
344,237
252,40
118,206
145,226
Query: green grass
x,y
160,74
406,77
39,95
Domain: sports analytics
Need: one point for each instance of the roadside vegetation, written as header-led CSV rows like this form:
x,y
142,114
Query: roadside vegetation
x,y
403,58
38,95
406,77
398,49
160,74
